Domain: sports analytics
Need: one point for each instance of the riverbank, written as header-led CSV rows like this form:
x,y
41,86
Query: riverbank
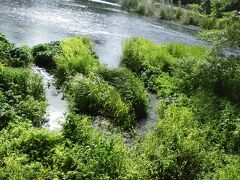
x,y
195,135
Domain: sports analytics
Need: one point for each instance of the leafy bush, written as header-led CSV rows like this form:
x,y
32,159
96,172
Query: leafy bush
x,y
13,80
96,155
227,33
149,60
26,152
22,96
175,149
207,22
14,56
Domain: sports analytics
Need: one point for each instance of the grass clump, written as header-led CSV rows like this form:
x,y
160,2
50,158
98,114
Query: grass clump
x,y
149,60
137,56
182,50
76,57
93,96
130,88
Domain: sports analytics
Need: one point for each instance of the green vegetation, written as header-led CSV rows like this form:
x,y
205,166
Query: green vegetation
x,y
13,56
91,88
152,62
21,92
129,87
93,96
196,135
78,152
43,55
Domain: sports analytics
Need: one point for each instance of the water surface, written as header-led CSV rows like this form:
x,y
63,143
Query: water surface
x,y
37,21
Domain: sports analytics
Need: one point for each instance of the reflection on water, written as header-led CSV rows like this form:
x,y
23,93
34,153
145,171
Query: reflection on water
x,y
39,21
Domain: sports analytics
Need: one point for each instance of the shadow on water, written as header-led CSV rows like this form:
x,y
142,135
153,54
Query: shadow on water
x,y
151,119
146,124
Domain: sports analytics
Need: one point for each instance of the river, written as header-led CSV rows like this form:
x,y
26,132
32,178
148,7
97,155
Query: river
x,y
39,21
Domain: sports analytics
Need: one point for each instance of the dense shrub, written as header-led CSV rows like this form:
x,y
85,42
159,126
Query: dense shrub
x,y
21,83
25,152
14,56
226,34
175,149
78,152
95,155
149,60
22,96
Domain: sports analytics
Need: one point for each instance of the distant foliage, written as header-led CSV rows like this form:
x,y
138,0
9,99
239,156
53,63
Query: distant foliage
x,y
227,34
